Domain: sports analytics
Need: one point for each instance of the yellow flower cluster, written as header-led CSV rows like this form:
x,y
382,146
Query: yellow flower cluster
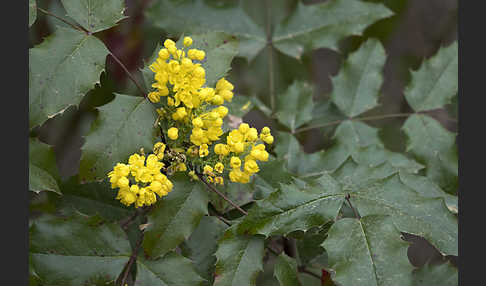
x,y
140,179
192,116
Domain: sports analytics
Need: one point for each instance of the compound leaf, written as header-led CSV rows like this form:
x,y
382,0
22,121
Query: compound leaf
x,y
77,250
175,216
324,25
360,252
294,207
95,15
435,83
357,85
434,146
239,259
62,69
199,16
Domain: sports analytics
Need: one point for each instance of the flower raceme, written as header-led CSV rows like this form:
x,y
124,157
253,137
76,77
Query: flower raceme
x,y
191,117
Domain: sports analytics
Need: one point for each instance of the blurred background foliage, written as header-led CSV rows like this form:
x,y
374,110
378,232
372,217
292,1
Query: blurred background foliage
x,y
415,32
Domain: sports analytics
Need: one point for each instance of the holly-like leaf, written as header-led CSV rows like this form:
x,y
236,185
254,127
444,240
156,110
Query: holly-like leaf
x,y
443,274
77,250
271,175
426,188
170,270
123,127
175,216
294,106
357,85
92,199
201,246
435,83
220,49
62,69
380,191
32,12
309,245
286,270
239,259
199,16
361,251
324,114
435,147
43,173
324,25
294,207
95,15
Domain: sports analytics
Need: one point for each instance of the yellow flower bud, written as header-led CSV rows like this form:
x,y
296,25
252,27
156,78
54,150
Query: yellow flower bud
x,y
154,96
187,41
164,54
251,167
200,55
173,133
197,122
268,139
207,169
239,147
235,162
219,167
169,43
265,130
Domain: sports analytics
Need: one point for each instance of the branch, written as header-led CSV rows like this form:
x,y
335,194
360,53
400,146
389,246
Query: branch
x,y
368,118
129,75
221,195
304,270
133,257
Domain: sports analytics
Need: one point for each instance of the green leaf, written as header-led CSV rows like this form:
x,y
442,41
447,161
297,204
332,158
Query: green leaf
x,y
444,274
434,146
357,85
201,246
220,49
95,15
170,270
175,217
77,250
294,207
380,191
123,127
198,16
300,163
309,245
426,188
324,114
271,175
286,270
32,12
43,172
62,69
92,199
368,251
435,83
294,107
324,25
239,106
239,259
